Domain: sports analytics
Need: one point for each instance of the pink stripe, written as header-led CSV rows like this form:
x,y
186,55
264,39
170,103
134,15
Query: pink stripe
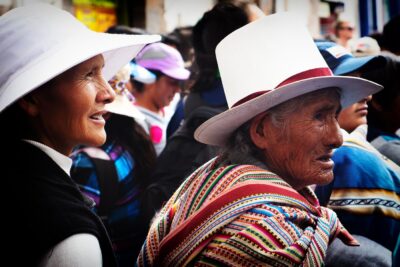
x,y
252,239
271,238
313,73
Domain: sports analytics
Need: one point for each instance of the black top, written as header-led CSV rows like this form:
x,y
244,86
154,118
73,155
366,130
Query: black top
x,y
43,207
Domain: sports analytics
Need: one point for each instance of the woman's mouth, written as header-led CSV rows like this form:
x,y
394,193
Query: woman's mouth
x,y
326,161
363,110
98,117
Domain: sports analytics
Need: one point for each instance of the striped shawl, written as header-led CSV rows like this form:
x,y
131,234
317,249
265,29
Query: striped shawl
x,y
240,215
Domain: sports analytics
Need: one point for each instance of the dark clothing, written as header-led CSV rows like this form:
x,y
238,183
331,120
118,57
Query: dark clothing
x,y
182,155
213,97
369,253
176,119
44,207
386,143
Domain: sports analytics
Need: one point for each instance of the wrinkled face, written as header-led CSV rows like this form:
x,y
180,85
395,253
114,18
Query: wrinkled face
x,y
355,115
70,109
299,149
164,91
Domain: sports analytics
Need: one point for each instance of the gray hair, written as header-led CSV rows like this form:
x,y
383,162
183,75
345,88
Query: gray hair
x,y
240,149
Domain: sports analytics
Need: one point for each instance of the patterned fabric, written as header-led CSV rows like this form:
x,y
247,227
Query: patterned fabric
x,y
124,221
365,192
240,215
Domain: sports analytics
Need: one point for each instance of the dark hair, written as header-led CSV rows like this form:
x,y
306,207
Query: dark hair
x,y
389,77
390,31
126,132
15,124
126,30
215,25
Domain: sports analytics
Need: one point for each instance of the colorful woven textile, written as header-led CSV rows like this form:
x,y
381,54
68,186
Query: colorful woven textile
x,y
240,215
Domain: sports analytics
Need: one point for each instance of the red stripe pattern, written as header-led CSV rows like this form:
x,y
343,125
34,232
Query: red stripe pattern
x,y
240,215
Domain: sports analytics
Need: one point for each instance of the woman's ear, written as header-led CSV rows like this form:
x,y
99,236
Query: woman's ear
x,y
29,104
257,131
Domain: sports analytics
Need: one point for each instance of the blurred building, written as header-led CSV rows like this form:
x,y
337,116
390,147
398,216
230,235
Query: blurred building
x,y
163,16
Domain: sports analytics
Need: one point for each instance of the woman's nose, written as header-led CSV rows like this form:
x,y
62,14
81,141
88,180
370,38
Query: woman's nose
x,y
106,94
334,137
365,99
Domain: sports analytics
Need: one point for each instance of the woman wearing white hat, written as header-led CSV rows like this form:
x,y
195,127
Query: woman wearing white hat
x,y
116,173
53,92
251,206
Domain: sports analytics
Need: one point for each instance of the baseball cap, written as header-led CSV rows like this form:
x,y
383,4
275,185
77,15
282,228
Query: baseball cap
x,y
163,58
342,62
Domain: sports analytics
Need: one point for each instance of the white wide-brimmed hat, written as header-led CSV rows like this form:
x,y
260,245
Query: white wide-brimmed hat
x,y
268,62
39,42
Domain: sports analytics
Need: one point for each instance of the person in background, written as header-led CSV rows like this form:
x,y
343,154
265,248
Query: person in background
x,y
384,110
140,75
116,173
157,100
183,154
366,186
53,87
252,204
390,41
344,31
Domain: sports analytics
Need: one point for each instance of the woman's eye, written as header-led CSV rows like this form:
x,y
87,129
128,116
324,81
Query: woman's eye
x,y
318,116
90,74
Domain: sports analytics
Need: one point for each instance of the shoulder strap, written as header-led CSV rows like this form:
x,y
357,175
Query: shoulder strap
x,y
108,181
107,177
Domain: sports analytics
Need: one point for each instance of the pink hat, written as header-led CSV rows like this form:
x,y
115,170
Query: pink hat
x,y
164,58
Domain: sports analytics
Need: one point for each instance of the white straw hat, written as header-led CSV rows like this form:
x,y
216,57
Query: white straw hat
x,y
39,42
268,62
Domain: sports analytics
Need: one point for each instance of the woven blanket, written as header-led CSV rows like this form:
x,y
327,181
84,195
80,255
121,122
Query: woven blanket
x,y
240,215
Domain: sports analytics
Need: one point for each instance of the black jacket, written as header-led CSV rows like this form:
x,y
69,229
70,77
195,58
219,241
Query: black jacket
x,y
181,156
43,207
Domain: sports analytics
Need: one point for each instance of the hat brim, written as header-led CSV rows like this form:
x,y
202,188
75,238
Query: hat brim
x,y
354,64
117,50
217,130
141,74
178,74
122,106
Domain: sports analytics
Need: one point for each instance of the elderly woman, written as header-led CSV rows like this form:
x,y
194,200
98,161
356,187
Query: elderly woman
x,y
53,88
251,206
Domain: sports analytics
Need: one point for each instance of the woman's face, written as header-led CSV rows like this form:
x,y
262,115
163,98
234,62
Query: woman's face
x,y
70,109
355,115
300,150
165,90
